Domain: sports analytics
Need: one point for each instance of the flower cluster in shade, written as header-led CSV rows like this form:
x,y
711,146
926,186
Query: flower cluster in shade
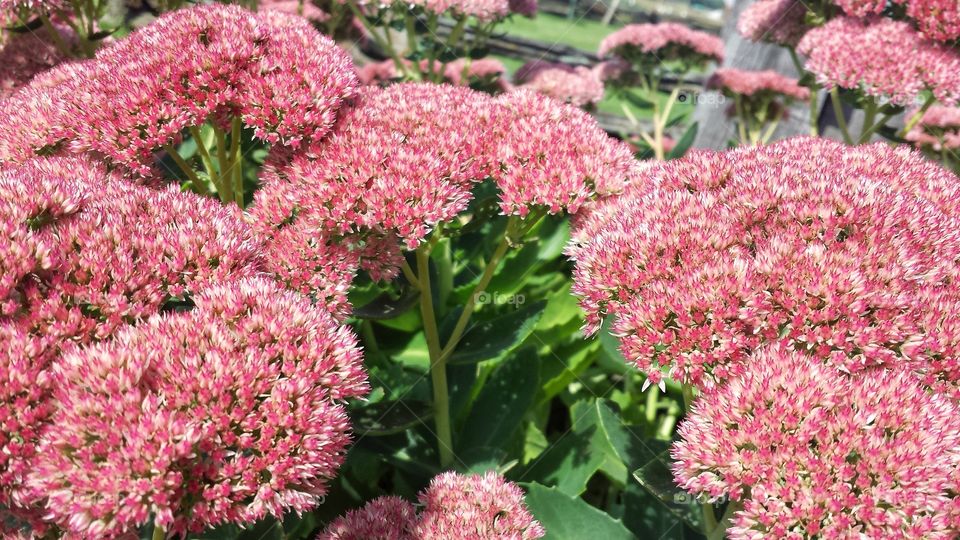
x,y
848,254
404,159
653,44
85,254
579,86
774,21
468,507
757,84
807,452
210,63
938,128
882,57
223,414
25,55
936,19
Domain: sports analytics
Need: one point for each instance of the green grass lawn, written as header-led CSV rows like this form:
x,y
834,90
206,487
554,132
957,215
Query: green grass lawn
x,y
583,34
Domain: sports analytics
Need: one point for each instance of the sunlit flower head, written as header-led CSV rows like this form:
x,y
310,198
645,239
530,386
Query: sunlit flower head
x,y
224,414
883,58
938,128
646,44
85,254
274,71
487,74
468,507
846,253
554,156
810,452
579,86
758,84
774,21
483,10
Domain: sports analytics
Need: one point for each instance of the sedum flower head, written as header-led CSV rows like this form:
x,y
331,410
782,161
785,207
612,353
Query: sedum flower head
x,y
812,453
757,84
223,414
936,19
577,85
25,55
84,254
774,21
846,253
554,156
468,507
482,10
882,57
402,160
657,43
284,79
938,128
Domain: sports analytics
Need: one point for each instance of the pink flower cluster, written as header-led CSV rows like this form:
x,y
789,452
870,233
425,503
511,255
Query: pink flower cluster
x,y
577,85
775,21
553,156
882,57
812,453
208,63
25,55
757,84
938,128
846,253
475,507
487,74
658,43
404,159
936,19
224,414
84,254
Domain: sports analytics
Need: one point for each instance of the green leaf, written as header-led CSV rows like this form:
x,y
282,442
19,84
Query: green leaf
x,y
657,479
389,417
562,307
685,142
498,411
571,518
637,101
414,355
568,463
490,339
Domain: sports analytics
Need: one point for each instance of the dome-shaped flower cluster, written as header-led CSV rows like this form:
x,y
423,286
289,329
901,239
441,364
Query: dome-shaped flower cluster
x,y
579,86
223,414
23,56
758,84
553,156
404,159
774,21
938,128
487,74
284,79
84,254
470,507
812,453
936,19
645,44
849,254
882,57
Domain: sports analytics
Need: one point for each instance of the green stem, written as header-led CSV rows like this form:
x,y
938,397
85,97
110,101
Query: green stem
x,y
741,123
184,166
653,395
204,152
410,23
410,275
721,527
158,533
838,114
485,278
438,367
865,136
814,116
236,161
224,190
917,115
372,32
58,41
770,129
